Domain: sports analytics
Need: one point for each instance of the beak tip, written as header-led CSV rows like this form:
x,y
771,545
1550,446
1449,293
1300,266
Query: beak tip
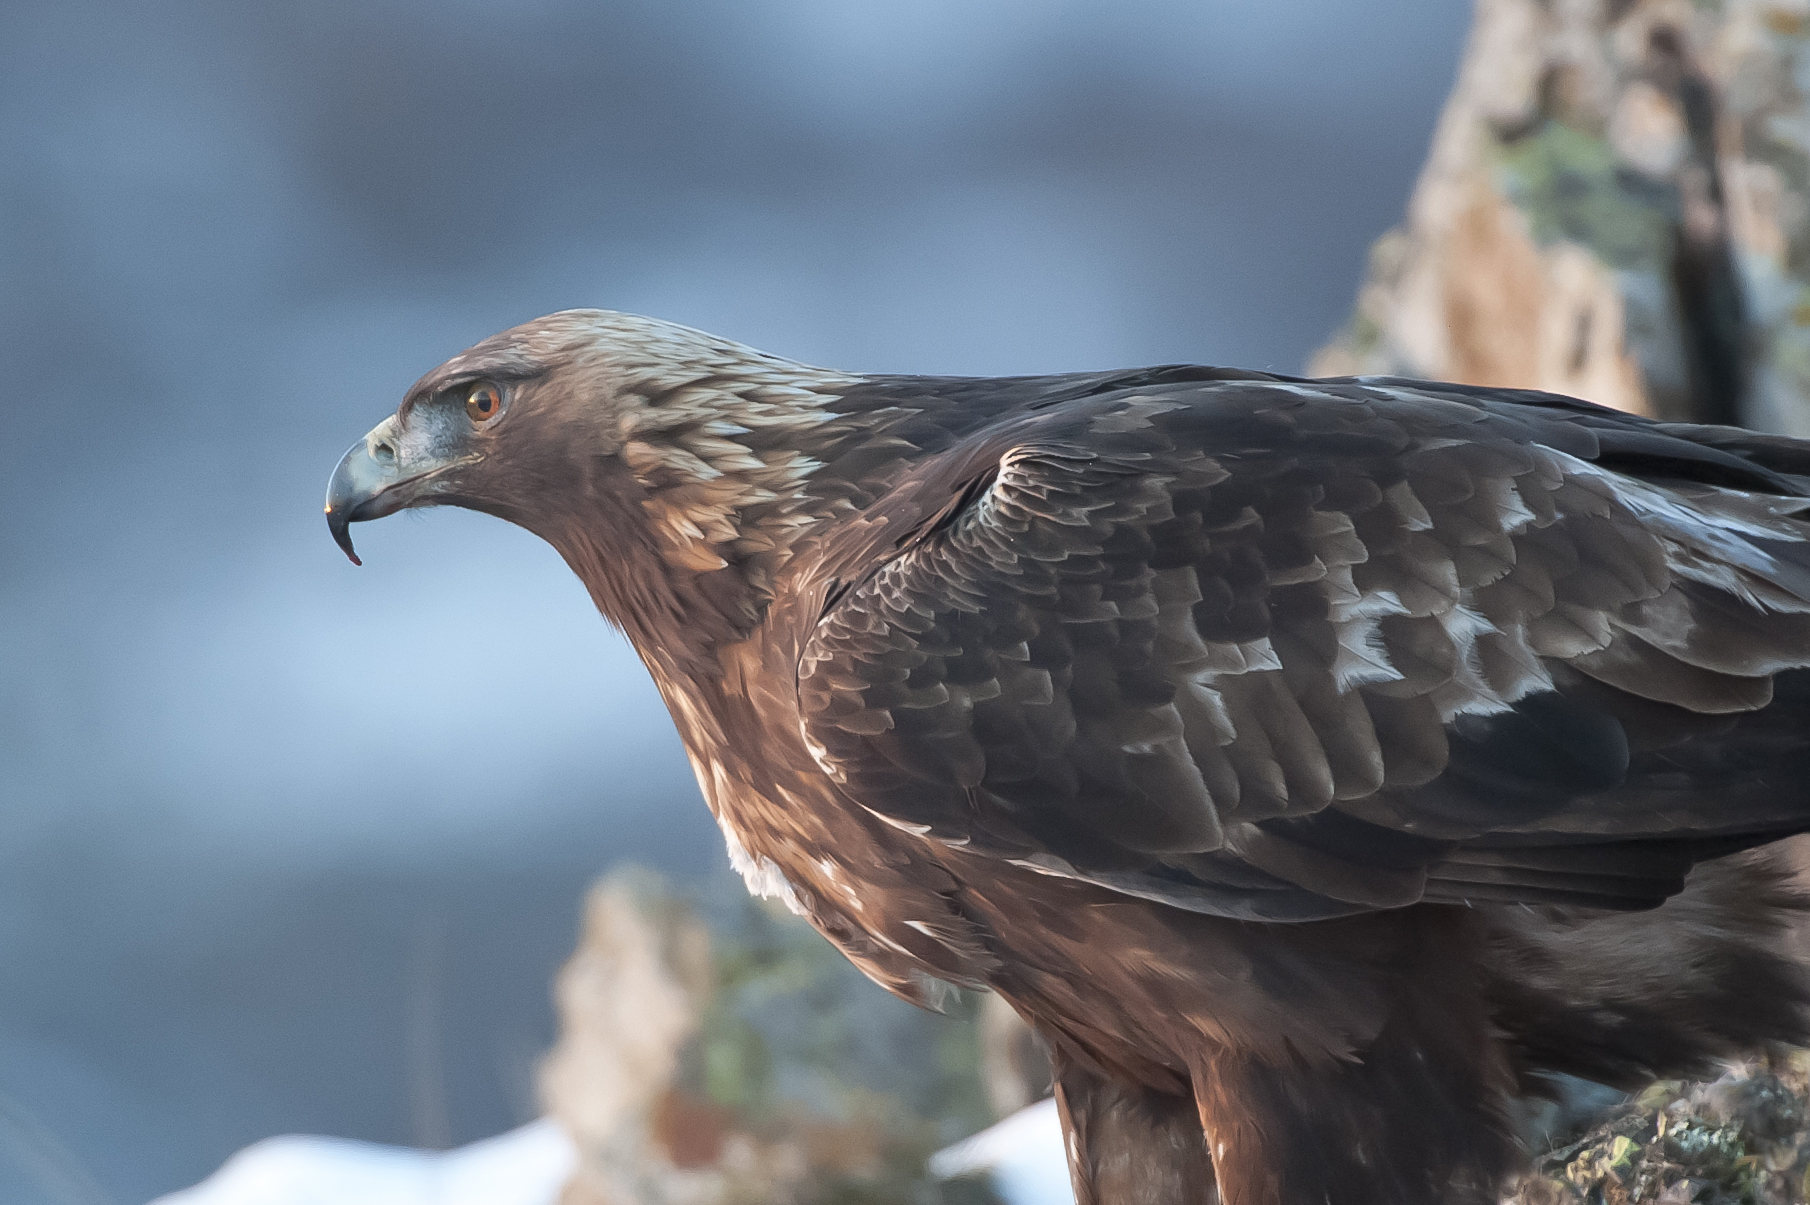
x,y
342,535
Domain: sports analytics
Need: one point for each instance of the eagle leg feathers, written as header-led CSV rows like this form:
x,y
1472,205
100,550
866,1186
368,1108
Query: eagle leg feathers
x,y
1129,1144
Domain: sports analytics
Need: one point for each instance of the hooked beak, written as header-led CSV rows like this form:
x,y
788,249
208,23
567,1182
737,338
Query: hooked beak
x,y
370,483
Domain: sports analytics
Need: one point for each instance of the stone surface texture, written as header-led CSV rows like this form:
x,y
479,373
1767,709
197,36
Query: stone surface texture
x,y
1614,206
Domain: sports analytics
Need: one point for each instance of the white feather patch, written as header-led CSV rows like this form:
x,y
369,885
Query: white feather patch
x,y
762,875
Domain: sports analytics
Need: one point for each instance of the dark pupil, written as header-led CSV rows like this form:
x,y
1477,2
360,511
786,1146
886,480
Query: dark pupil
x,y
484,403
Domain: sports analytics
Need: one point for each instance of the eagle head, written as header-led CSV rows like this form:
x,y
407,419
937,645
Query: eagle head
x,y
665,464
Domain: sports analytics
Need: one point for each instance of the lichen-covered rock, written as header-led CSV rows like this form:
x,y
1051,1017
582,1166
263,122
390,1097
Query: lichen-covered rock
x,y
713,1052
1741,1139
1616,205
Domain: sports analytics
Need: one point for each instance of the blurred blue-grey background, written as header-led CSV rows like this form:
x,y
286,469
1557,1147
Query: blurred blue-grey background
x,y
290,846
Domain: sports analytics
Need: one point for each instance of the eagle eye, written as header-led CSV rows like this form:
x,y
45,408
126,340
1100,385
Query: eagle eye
x,y
483,402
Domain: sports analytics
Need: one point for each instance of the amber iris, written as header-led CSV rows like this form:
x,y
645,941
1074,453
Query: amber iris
x,y
484,402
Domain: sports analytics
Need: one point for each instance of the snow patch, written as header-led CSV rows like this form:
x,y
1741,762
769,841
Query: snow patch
x,y
1023,1156
528,1166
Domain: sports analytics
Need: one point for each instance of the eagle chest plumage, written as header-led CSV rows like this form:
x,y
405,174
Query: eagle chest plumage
x,y
864,882
1317,765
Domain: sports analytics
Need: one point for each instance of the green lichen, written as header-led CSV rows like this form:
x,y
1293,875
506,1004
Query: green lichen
x,y
795,1043
1737,1140
1571,187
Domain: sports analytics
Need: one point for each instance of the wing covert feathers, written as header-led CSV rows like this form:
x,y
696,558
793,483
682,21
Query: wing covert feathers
x,y
1283,650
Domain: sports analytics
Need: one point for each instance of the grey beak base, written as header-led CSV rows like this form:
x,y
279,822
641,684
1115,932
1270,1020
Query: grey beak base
x,y
356,493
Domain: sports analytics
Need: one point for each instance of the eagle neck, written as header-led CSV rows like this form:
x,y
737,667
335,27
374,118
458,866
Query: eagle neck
x,y
719,496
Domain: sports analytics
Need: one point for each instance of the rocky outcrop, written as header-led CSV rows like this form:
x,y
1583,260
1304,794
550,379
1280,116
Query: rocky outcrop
x,y
712,1052
1741,1139
1616,205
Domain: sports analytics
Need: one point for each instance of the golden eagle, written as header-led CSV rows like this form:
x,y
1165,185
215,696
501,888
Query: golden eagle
x,y
1318,765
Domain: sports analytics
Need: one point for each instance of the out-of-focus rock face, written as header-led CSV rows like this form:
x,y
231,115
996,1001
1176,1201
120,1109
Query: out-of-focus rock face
x,y
629,1000
744,1061
1014,1065
1616,205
